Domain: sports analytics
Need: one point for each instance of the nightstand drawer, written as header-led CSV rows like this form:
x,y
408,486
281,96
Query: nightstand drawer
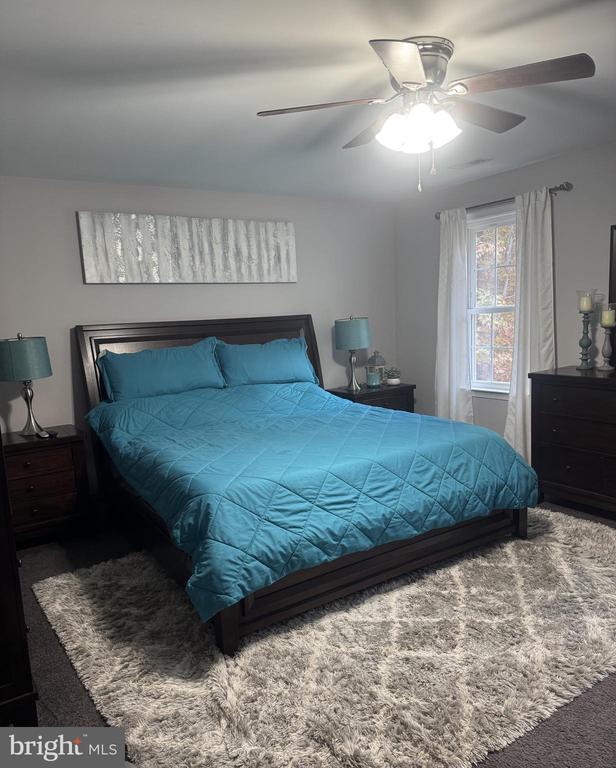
x,y
46,480
397,402
49,508
400,397
28,488
40,462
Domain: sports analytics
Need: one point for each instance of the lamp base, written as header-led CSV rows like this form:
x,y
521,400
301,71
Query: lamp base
x,y
353,383
32,428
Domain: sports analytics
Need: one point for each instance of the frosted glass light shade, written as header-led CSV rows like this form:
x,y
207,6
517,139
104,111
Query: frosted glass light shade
x,y
24,358
418,130
400,133
352,333
444,129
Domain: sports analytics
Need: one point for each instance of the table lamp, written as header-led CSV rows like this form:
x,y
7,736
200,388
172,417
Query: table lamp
x,y
23,359
351,334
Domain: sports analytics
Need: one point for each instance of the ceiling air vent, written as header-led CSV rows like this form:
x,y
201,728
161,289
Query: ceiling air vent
x,y
470,163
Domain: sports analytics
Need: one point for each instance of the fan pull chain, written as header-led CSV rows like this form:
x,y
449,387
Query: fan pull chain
x,y
433,154
419,187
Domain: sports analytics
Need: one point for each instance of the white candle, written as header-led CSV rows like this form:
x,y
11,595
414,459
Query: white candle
x,y
608,317
585,303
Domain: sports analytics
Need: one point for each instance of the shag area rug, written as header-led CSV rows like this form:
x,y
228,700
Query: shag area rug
x,y
435,669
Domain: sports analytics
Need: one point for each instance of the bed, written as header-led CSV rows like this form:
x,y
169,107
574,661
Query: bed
x,y
277,498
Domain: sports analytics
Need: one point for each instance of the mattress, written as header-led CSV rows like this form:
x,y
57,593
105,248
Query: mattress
x,y
255,482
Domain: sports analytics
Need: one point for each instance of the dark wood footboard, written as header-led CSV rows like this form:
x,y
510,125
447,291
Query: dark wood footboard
x,y
303,590
310,588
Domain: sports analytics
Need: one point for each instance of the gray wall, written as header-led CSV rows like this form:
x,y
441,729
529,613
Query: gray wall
x,y
346,264
582,220
351,259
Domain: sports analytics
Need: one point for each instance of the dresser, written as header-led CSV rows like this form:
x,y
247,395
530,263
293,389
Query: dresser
x,y
46,481
400,397
574,436
17,696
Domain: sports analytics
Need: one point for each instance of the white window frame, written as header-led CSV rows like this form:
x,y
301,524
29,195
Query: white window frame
x,y
482,219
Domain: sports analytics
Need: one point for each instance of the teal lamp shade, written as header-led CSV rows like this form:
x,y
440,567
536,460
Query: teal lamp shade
x,y
352,333
24,358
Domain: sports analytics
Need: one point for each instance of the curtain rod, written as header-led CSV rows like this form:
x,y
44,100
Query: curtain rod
x,y
566,186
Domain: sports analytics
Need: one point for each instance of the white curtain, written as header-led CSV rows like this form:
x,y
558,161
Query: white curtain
x,y
452,380
534,348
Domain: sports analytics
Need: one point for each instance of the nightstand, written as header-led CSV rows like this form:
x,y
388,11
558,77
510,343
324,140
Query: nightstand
x,y
46,480
400,397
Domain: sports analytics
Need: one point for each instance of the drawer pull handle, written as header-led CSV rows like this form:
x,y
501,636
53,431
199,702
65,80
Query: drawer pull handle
x,y
34,511
555,429
27,464
568,467
555,399
30,488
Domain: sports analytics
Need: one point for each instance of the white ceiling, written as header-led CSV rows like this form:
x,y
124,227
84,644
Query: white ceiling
x,y
165,91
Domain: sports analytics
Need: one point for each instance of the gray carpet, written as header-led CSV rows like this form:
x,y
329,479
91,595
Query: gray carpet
x,y
519,630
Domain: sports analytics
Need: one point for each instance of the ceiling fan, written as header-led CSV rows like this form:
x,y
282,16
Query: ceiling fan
x,y
425,118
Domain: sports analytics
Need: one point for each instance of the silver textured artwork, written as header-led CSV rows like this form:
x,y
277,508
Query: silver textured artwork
x,y
152,248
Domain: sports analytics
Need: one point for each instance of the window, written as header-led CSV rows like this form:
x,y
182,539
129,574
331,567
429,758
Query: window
x,y
492,290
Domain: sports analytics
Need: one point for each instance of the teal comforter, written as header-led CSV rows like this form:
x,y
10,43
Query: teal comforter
x,y
257,481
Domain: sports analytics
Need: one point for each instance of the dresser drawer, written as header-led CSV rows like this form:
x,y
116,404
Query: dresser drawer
x,y
576,433
39,462
596,404
49,508
576,469
27,488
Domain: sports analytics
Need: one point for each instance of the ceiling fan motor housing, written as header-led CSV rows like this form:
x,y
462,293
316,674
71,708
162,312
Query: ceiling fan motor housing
x,y
435,53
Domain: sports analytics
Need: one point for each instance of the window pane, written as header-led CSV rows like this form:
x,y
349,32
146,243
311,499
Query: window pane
x,y
485,288
504,326
484,247
505,245
483,330
483,364
492,269
505,286
503,358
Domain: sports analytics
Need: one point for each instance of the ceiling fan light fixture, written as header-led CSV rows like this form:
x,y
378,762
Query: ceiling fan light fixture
x,y
401,135
418,131
444,129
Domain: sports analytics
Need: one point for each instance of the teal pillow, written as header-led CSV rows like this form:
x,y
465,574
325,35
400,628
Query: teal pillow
x,y
277,362
160,371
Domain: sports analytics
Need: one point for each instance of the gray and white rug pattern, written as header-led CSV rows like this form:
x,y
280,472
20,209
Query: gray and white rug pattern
x,y
435,669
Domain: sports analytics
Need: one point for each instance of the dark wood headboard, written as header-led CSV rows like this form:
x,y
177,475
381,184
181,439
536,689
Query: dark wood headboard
x,y
133,337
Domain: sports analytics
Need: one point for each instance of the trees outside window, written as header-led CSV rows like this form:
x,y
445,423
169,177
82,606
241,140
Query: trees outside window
x,y
492,297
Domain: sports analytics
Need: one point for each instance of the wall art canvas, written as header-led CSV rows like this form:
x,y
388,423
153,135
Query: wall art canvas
x,y
151,248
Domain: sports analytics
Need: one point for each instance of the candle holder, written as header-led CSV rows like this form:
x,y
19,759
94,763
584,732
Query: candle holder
x,y
606,350
608,321
585,308
585,344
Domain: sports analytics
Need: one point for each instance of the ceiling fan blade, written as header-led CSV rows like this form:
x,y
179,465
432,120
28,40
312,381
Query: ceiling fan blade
x,y
327,105
551,71
367,135
402,59
493,119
